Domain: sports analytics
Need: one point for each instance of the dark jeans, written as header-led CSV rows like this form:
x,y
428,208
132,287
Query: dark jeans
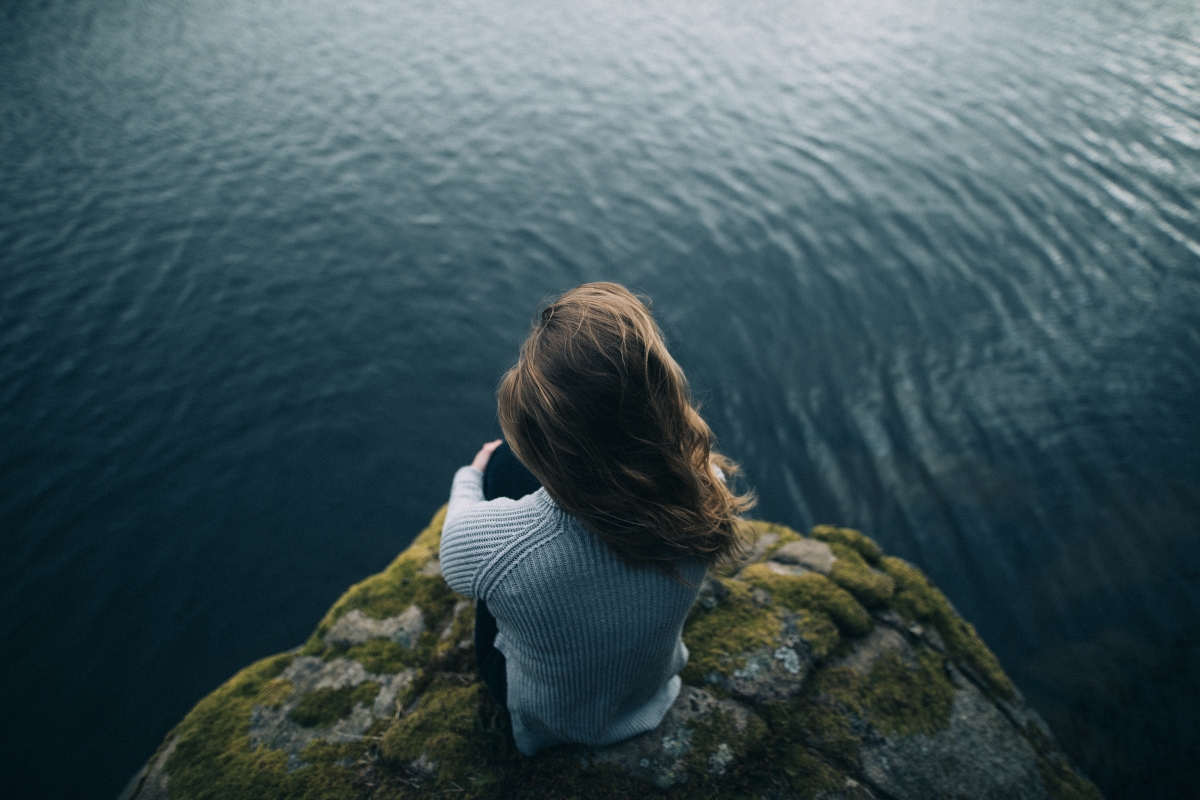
x,y
504,476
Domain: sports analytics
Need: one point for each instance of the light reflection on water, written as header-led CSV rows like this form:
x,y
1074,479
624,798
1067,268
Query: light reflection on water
x,y
933,267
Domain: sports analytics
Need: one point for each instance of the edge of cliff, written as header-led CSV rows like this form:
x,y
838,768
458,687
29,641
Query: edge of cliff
x,y
820,668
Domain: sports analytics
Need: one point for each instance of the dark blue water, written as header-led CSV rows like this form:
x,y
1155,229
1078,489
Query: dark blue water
x,y
933,266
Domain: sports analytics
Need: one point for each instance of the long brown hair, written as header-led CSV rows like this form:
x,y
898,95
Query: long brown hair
x,y
598,410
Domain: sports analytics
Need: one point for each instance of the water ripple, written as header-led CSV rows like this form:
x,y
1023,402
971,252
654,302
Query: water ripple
x,y
932,266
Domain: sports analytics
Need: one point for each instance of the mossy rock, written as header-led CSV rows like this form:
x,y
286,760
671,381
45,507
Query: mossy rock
x,y
819,668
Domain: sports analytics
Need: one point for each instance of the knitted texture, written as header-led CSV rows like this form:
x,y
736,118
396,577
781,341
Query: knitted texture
x,y
593,646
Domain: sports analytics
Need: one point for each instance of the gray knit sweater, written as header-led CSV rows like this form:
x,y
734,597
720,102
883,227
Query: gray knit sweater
x,y
592,645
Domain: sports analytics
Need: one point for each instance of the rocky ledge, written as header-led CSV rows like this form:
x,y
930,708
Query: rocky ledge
x,y
820,668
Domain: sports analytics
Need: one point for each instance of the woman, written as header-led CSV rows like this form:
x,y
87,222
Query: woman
x,y
583,584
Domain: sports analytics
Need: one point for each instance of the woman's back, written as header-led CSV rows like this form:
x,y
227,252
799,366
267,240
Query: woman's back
x,y
592,645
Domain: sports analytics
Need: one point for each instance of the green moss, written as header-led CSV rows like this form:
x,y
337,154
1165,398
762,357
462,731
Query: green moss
x,y
807,776
716,729
850,571
391,592
819,721
896,698
812,592
327,705
1064,783
918,599
462,629
213,759
276,692
320,752
331,771
378,656
442,728
819,631
716,637
902,701
850,538
313,646
1061,779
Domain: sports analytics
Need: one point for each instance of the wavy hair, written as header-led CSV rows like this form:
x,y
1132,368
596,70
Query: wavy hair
x,y
600,412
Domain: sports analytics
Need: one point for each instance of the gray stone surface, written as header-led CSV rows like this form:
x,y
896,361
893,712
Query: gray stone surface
x,y
659,754
275,728
151,782
1022,715
356,628
775,672
980,756
787,569
873,646
448,629
808,553
925,634
759,547
851,790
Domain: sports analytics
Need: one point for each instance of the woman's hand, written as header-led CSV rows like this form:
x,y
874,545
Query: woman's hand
x,y
485,452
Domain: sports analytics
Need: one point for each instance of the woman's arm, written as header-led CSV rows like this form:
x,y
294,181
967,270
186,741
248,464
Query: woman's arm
x,y
460,556
468,482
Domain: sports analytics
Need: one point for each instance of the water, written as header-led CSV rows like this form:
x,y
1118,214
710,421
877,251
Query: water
x,y
933,266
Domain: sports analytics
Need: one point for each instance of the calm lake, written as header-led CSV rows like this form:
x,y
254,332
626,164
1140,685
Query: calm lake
x,y
933,267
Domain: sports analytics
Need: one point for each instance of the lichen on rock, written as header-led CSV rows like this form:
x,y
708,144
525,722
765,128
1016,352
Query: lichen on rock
x,y
699,734
819,668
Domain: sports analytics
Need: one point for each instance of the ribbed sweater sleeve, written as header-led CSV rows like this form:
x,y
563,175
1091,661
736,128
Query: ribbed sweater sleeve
x,y
460,551
466,491
484,539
